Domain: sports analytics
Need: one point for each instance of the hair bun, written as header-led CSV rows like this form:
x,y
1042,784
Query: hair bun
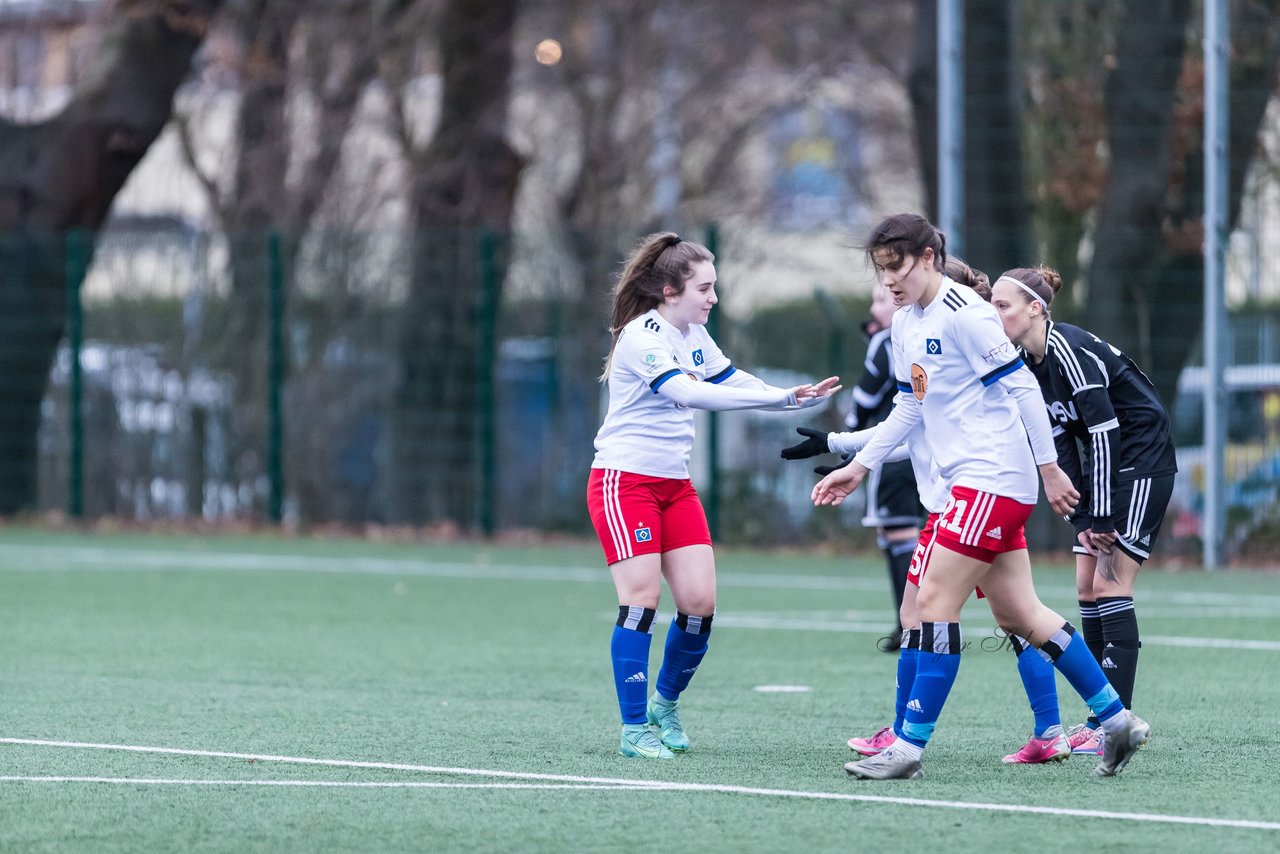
x,y
1051,278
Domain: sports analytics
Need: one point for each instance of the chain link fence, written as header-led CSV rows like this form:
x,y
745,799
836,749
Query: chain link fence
x,y
197,402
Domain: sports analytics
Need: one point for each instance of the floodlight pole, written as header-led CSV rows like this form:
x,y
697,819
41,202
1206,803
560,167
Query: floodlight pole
x,y
951,123
1216,46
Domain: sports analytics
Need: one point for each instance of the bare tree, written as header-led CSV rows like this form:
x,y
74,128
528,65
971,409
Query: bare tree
x,y
61,175
1148,236
997,222
461,193
302,75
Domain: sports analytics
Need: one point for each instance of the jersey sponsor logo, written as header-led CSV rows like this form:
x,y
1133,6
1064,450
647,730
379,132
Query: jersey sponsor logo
x,y
697,357
919,381
643,535
934,346
998,355
650,358
1063,413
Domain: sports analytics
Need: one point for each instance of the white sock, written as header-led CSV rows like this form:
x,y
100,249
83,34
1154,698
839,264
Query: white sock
x,y
1052,732
906,748
1117,722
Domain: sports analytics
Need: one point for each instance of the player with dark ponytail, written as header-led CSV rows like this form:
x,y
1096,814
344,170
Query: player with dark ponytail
x,y
661,366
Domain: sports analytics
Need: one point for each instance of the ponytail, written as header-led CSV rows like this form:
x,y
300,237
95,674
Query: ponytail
x,y
659,260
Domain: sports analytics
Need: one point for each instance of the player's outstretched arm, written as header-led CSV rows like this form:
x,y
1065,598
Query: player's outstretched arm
x,y
839,484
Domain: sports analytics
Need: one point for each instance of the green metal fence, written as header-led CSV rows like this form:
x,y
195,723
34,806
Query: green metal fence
x,y
449,381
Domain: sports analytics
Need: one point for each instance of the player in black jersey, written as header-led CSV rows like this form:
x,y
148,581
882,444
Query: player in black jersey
x,y
1113,437
893,504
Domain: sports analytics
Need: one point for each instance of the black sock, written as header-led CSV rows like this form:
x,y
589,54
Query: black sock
x,y
898,558
1120,644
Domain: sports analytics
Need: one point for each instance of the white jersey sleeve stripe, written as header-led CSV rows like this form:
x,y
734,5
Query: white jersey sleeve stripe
x,y
1113,424
1101,475
1067,358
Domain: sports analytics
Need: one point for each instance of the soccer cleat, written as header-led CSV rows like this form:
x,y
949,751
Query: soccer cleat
x,y
1119,746
666,717
1039,750
1084,739
888,764
873,745
639,742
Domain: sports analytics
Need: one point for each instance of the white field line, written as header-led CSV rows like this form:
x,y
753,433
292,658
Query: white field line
x,y
663,786
320,784
86,558
977,634
15,557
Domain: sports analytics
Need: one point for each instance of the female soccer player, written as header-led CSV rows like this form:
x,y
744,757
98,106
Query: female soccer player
x,y
1048,743
661,366
893,504
960,377
1097,397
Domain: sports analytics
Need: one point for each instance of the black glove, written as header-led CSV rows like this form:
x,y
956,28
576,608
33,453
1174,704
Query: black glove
x,y
826,470
814,444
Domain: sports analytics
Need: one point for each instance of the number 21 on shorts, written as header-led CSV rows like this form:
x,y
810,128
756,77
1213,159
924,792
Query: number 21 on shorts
x,y
953,517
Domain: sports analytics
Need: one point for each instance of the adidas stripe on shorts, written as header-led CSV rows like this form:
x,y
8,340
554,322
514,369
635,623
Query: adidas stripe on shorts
x,y
1139,505
635,514
982,525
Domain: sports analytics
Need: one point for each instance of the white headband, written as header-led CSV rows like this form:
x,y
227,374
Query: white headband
x,y
1035,296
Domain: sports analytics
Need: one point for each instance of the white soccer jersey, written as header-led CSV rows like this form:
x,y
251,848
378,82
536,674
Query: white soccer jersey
x,y
957,371
934,491
653,382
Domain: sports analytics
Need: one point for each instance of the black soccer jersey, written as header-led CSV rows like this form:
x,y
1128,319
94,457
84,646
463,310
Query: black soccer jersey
x,y
876,388
1097,396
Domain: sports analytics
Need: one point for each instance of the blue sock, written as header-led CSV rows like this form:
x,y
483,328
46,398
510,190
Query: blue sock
x,y
1039,682
1072,657
687,639
938,663
908,658
630,651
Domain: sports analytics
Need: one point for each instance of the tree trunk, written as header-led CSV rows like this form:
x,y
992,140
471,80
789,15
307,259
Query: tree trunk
x,y
922,85
997,219
463,193
997,216
63,174
1146,282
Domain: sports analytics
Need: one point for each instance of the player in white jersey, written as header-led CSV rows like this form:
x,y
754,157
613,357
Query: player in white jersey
x,y
1048,742
960,377
663,365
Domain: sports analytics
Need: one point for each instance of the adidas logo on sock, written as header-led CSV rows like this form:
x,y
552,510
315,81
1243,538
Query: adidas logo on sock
x,y
995,533
1108,664
914,706
637,677
690,669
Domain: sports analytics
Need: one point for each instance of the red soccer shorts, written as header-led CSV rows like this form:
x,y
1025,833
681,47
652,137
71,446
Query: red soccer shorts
x,y
924,548
982,525
635,514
